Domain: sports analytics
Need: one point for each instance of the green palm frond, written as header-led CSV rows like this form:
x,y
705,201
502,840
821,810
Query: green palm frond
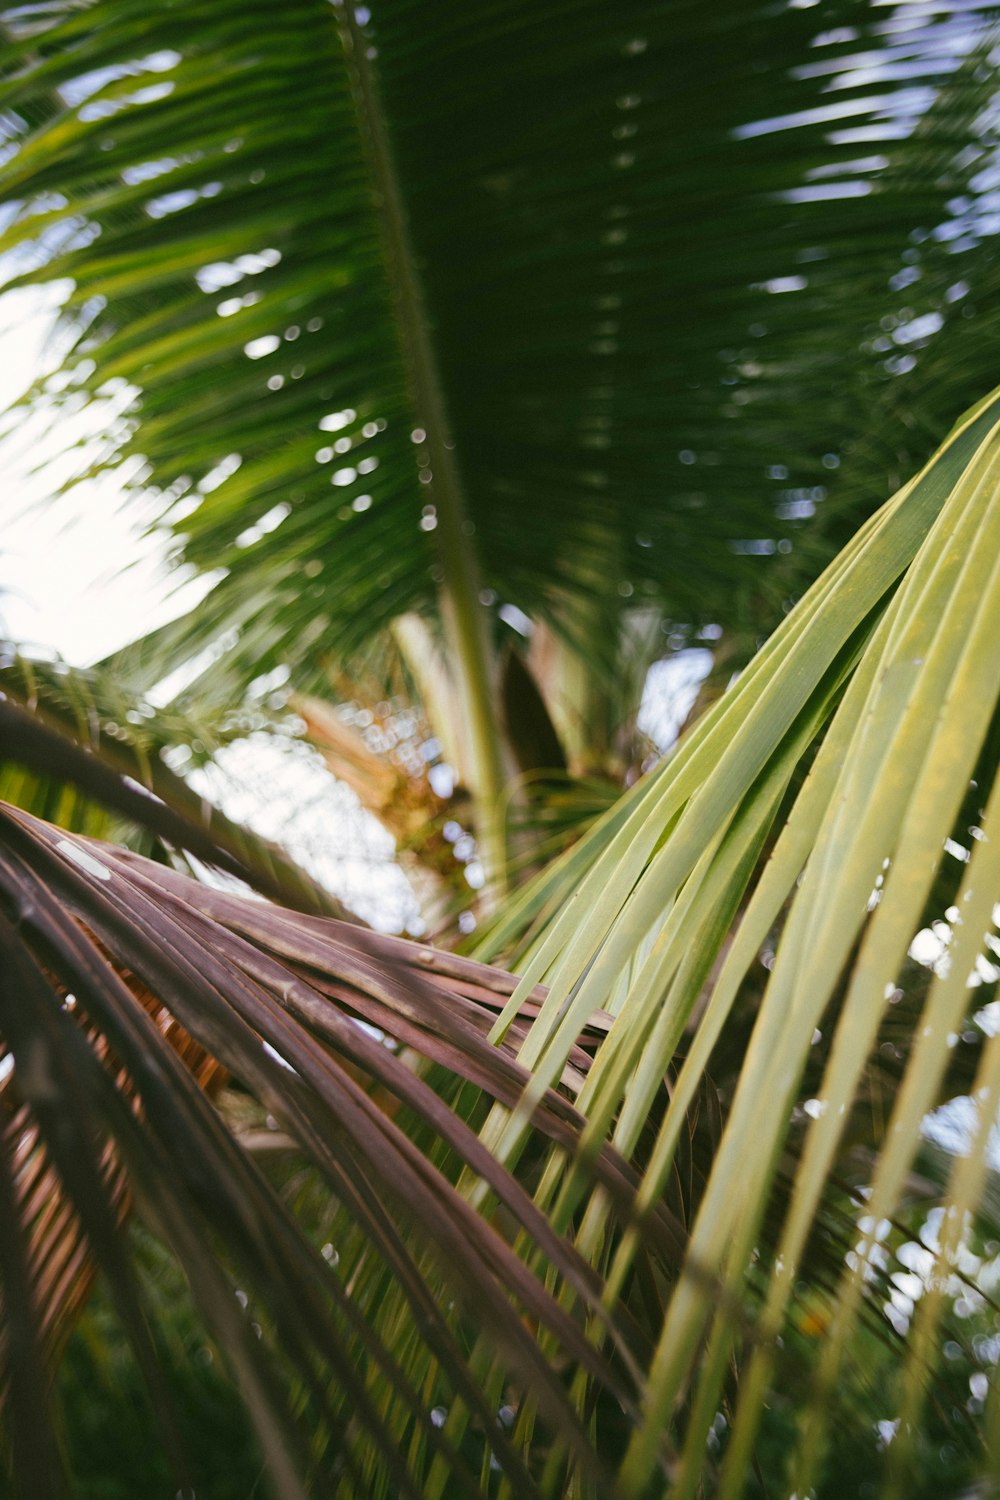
x,y
610,291
883,683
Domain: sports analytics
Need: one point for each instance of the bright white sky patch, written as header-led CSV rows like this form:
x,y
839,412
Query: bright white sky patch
x,y
318,820
668,697
75,576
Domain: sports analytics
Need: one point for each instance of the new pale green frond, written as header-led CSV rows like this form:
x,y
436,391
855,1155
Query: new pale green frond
x,y
882,686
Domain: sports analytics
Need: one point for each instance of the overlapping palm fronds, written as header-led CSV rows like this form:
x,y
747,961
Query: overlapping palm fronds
x,y
695,240
884,684
429,1114
653,1218
105,957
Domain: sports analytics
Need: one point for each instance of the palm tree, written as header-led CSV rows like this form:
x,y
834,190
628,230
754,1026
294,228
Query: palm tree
x,y
435,331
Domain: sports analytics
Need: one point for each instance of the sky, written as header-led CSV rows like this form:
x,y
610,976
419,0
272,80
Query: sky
x,y
75,577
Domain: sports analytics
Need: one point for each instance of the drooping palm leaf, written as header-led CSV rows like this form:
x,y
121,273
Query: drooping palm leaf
x,y
276,998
